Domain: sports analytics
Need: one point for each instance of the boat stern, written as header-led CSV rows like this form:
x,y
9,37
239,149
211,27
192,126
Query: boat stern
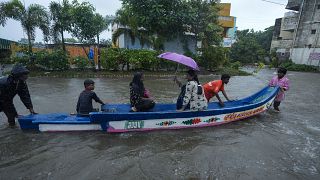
x,y
26,123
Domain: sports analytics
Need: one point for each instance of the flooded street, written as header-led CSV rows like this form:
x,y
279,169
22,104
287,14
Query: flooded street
x,y
272,145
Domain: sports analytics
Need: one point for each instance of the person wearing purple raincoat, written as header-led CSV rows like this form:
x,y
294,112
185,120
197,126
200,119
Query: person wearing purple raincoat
x,y
283,82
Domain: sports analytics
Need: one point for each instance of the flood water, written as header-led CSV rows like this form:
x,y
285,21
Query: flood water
x,y
272,145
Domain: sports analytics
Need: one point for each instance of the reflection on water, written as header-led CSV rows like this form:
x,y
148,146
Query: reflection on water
x,y
269,146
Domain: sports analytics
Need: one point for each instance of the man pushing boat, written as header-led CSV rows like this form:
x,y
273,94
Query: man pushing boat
x,y
10,86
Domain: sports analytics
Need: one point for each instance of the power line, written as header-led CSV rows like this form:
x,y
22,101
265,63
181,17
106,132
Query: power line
x,y
274,2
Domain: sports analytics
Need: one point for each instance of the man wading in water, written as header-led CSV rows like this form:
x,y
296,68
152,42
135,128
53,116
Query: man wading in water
x,y
11,85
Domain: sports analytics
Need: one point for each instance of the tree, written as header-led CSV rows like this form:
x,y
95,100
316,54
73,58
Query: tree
x,y
247,49
34,16
82,22
264,38
203,21
70,40
3,17
61,17
106,43
155,21
83,16
151,19
99,25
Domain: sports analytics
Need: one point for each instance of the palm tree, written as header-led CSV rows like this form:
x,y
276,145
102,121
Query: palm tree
x,y
99,25
34,16
61,17
2,14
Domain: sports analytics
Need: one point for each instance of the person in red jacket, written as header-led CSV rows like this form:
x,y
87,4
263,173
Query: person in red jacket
x,y
212,88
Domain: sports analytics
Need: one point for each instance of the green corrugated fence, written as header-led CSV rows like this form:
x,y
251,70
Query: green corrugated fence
x,y
5,44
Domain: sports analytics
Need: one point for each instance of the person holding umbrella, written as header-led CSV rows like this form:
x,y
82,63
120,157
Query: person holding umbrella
x,y
192,94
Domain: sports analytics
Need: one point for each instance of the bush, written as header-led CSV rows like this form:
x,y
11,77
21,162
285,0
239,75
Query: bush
x,y
143,59
114,58
289,65
21,60
214,57
81,62
235,65
57,60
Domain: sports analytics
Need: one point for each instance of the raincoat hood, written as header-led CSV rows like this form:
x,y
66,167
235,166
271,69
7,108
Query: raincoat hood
x,y
18,70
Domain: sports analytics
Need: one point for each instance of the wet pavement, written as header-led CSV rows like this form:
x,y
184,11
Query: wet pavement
x,y
272,145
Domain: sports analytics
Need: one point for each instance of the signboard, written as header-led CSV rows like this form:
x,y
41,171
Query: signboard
x,y
314,56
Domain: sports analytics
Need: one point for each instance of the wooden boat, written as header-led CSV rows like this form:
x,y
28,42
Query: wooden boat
x,y
118,118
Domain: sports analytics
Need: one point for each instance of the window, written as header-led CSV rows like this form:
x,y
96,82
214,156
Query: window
x,y
318,6
313,31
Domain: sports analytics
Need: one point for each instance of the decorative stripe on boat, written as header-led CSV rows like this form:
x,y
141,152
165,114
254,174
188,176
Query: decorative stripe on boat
x,y
69,127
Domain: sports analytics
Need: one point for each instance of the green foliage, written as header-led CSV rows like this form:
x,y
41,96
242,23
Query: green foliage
x,y
83,21
21,60
112,58
231,71
71,40
61,18
246,50
57,60
34,16
235,65
290,66
274,59
115,58
214,57
264,38
259,67
3,17
106,43
143,59
81,62
251,46
155,21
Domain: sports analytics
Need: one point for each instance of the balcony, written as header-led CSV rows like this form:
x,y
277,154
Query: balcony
x,y
290,22
294,5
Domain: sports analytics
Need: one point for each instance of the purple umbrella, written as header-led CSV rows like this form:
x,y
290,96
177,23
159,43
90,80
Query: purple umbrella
x,y
179,58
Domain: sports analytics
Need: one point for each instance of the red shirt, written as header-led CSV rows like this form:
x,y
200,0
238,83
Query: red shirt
x,y
212,88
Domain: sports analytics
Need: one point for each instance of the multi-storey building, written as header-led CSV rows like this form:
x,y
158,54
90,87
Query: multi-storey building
x,y
228,23
296,35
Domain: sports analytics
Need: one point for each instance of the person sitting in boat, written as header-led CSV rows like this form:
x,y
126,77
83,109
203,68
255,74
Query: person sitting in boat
x,y
212,88
283,82
192,94
11,85
84,105
140,98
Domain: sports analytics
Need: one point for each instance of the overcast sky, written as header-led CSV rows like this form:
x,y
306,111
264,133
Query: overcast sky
x,y
251,14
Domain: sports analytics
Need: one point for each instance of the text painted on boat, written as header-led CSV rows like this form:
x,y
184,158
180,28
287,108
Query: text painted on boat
x,y
134,125
240,115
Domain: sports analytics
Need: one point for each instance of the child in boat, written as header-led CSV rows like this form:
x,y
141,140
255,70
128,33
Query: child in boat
x,y
212,88
283,82
84,105
193,98
140,98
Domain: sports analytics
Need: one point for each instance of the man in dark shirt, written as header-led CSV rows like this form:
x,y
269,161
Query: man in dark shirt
x,y
84,105
11,85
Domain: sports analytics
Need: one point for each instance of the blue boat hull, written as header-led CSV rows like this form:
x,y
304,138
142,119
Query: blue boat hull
x,y
118,118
